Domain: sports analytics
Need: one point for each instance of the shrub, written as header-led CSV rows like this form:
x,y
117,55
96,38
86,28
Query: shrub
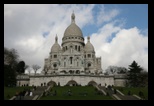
x,y
107,94
121,89
141,94
115,91
129,93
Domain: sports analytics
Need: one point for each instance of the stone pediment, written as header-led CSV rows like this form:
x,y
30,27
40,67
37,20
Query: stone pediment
x,y
71,51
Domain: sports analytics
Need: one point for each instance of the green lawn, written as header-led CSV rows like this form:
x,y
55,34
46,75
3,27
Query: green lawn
x,y
134,91
12,90
77,94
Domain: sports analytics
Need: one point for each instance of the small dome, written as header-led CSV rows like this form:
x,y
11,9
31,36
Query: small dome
x,y
89,47
56,47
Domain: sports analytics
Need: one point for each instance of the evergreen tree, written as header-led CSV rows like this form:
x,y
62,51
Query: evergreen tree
x,y
21,67
10,63
134,74
144,78
9,76
11,57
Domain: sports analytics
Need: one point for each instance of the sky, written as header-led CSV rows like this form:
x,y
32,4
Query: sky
x,y
118,32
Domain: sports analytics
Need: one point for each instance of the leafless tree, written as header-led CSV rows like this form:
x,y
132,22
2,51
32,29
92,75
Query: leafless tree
x,y
29,69
116,69
35,68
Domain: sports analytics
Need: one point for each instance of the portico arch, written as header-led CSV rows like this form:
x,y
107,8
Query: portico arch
x,y
72,83
93,83
52,83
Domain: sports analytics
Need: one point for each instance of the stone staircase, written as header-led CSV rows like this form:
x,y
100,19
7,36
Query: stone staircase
x,y
36,94
127,97
28,98
118,95
110,92
39,91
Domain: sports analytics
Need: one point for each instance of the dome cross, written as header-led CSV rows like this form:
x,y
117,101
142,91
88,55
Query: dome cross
x,y
73,17
88,38
56,38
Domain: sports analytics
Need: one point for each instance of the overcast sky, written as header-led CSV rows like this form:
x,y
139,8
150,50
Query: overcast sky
x,y
119,33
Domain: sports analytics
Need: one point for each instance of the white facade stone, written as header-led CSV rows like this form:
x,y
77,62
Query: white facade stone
x,y
79,79
73,61
74,56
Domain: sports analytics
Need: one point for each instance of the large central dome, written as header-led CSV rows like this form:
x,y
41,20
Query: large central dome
x,y
73,29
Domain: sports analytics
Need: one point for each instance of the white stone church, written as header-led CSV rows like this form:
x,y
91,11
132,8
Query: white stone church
x,y
73,56
74,62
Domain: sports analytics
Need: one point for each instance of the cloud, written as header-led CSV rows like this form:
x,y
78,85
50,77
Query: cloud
x,y
127,45
25,25
31,30
105,15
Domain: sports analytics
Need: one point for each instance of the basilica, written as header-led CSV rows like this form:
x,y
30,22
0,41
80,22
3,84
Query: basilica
x,y
73,56
74,62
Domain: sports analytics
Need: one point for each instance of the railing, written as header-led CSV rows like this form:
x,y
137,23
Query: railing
x,y
36,97
13,98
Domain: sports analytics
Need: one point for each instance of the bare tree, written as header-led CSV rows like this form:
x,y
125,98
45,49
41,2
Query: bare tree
x,y
112,71
29,69
116,69
35,68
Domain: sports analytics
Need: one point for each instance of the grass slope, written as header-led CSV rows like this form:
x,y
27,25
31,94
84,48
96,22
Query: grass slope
x,y
77,94
125,90
12,90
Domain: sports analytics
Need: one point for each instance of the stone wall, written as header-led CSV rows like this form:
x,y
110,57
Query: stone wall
x,y
64,79
120,80
22,82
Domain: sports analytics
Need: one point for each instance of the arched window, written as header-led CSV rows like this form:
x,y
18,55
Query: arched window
x,y
55,56
89,64
77,71
66,47
79,48
77,63
64,64
89,55
70,71
75,47
71,60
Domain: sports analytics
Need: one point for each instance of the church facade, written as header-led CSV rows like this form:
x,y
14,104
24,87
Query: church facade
x,y
73,56
74,62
